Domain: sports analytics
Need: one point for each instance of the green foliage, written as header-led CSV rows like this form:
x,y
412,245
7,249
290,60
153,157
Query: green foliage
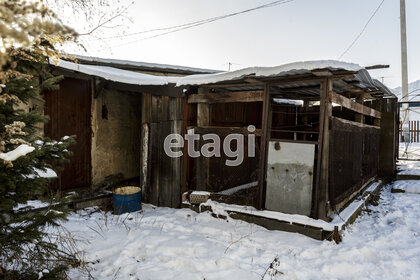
x,y
25,247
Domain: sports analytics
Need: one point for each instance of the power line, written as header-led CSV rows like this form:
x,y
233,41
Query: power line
x,y
363,30
181,27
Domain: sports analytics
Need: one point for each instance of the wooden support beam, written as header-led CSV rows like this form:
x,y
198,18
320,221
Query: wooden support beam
x,y
310,79
203,114
359,117
321,187
322,73
253,81
220,129
358,124
349,104
225,97
377,106
297,79
263,146
203,163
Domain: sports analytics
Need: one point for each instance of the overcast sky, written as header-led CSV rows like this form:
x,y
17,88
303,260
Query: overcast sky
x,y
295,31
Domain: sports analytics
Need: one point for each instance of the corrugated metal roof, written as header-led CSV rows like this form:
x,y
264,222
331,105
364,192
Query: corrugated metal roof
x,y
290,69
141,66
117,75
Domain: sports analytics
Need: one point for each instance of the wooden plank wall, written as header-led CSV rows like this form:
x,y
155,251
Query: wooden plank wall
x,y
353,159
161,176
212,174
218,176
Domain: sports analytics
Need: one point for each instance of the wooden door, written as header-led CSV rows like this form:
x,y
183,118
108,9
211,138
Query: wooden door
x,y
69,110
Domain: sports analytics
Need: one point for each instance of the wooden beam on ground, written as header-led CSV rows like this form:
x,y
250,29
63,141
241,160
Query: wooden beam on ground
x,y
349,104
226,97
321,187
263,146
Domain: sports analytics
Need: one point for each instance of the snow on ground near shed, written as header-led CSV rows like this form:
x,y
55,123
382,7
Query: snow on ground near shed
x,y
163,243
409,186
410,151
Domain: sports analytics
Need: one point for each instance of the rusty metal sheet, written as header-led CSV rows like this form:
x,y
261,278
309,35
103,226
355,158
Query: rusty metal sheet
x,y
290,177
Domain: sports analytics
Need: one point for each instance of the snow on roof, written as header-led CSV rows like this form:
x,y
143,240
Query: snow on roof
x,y
276,71
413,91
142,65
117,75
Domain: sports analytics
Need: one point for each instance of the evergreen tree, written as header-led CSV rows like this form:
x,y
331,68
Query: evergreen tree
x,y
29,32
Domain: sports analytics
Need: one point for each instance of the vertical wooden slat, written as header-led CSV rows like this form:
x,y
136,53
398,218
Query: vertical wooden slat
x,y
154,163
145,149
69,109
263,152
410,131
359,117
176,188
165,167
203,163
321,189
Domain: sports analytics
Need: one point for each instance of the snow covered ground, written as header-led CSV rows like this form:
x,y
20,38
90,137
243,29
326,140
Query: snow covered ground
x,y
163,243
410,151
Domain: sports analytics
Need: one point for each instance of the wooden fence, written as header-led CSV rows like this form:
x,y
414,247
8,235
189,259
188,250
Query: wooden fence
x,y
414,129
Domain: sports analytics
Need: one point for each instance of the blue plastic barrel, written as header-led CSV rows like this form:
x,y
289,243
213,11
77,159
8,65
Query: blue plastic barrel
x,y
126,199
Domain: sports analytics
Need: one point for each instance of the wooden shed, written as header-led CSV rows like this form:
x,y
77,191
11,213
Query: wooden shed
x,y
100,101
324,131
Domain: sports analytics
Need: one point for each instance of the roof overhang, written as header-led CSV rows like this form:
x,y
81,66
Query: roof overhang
x,y
293,80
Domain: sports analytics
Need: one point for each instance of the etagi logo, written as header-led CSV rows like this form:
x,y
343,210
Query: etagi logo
x,y
174,143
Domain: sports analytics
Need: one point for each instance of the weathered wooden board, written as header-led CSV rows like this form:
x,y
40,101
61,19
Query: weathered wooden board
x,y
359,108
353,159
69,109
165,174
212,174
226,97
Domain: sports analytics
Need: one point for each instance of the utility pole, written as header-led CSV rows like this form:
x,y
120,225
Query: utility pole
x,y
404,73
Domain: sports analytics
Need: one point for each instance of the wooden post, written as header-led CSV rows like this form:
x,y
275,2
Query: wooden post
x,y
321,189
305,117
263,152
203,163
203,115
145,160
359,117
388,147
377,106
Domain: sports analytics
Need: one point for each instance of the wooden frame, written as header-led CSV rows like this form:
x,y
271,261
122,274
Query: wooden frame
x,y
321,182
263,151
